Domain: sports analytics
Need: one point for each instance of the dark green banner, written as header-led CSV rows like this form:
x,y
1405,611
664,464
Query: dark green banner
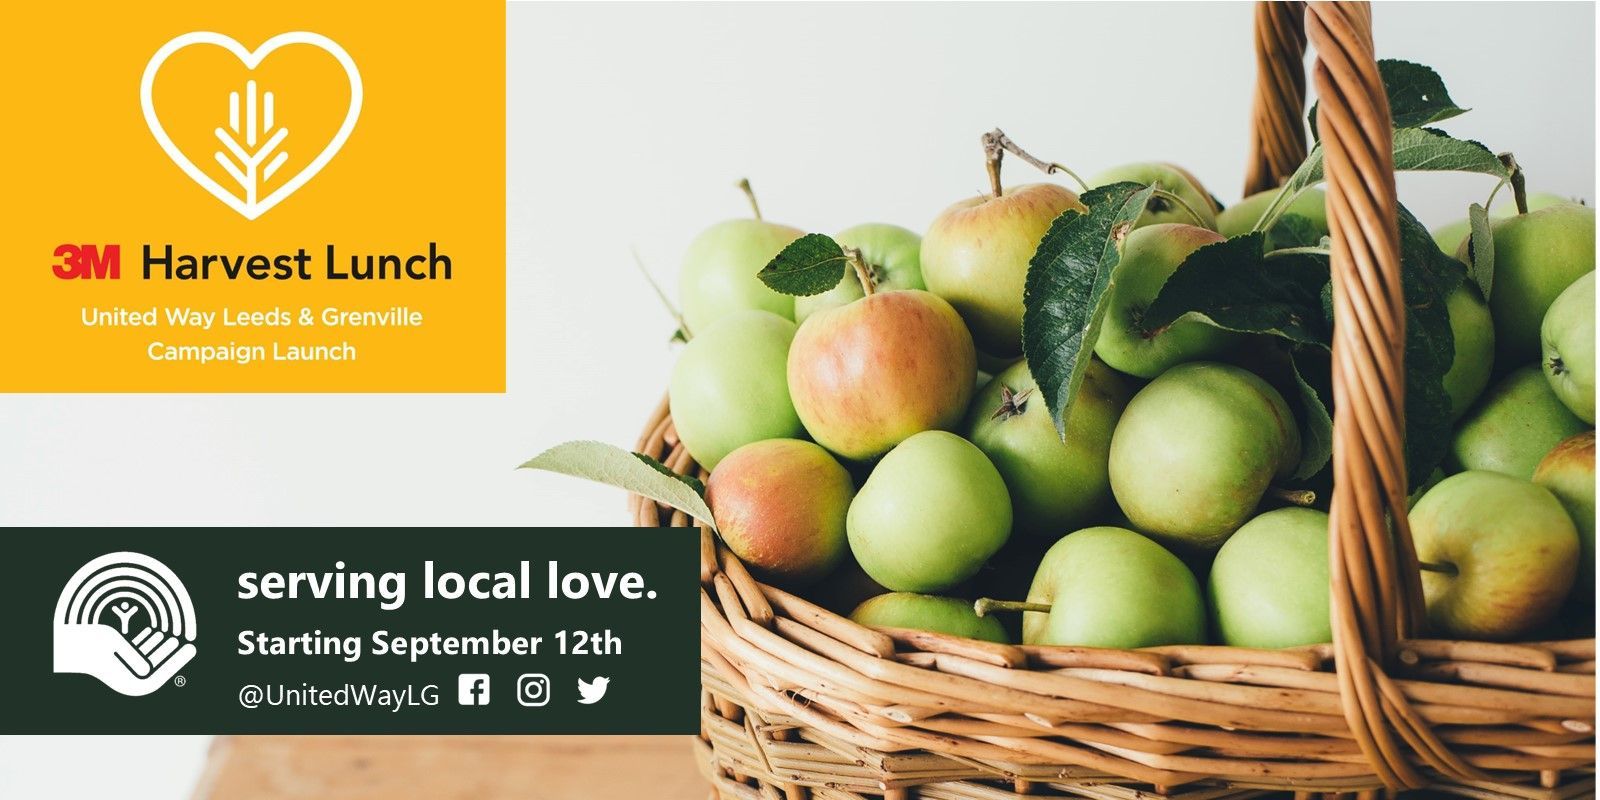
x,y
532,630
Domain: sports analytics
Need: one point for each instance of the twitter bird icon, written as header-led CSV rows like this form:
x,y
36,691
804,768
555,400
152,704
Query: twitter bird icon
x,y
590,692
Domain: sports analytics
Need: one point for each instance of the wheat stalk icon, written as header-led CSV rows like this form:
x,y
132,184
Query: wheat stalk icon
x,y
258,125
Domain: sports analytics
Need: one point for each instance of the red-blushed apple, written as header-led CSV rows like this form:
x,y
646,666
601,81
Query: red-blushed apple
x,y
867,375
976,253
780,505
1502,553
1568,472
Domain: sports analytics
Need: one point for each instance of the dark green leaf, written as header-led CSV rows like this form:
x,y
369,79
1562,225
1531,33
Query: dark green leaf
x,y
1234,285
635,472
679,336
1480,249
1295,230
1427,277
1416,93
811,264
1316,426
1068,279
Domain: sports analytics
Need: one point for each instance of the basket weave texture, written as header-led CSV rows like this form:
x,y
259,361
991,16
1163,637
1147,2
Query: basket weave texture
x,y
799,702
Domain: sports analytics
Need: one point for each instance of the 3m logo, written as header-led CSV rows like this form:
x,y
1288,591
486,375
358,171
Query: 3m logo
x,y
84,261
242,137
125,619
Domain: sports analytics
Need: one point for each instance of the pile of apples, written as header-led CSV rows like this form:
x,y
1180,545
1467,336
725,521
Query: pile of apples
x,y
881,448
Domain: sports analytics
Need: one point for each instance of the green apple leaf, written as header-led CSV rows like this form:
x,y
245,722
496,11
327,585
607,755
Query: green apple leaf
x,y
1416,93
811,264
1316,426
1415,150
1237,286
635,472
1070,275
1480,249
1427,277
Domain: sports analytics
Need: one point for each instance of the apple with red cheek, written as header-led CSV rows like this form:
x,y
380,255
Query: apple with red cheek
x,y
780,506
868,375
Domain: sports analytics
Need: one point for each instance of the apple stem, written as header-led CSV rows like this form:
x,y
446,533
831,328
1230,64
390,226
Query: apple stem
x,y
1519,182
863,274
984,605
1166,195
1444,568
1279,206
1297,497
993,154
998,138
661,295
750,194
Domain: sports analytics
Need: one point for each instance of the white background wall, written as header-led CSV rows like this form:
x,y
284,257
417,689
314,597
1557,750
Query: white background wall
x,y
628,126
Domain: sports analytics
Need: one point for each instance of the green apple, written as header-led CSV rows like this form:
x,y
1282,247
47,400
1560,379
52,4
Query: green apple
x,y
1567,335
780,505
1150,255
718,276
1269,583
1239,218
730,386
1568,472
865,376
894,261
1473,331
1518,420
1428,483
1055,487
1111,587
1449,237
926,612
976,256
1505,551
1172,178
1536,256
930,514
1195,451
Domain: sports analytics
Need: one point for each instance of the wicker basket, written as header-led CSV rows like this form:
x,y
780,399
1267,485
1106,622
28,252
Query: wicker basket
x,y
799,702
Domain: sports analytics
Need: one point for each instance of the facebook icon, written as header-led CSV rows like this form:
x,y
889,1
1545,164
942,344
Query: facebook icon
x,y
472,689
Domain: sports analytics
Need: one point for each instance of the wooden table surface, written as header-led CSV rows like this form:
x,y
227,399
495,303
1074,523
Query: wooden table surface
x,y
451,768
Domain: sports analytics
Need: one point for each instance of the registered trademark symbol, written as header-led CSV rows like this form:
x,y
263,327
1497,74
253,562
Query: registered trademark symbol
x,y
179,681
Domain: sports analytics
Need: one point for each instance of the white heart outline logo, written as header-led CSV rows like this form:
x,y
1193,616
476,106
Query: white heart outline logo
x,y
251,60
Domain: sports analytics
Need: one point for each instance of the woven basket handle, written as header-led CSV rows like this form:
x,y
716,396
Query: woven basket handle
x,y
1376,589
